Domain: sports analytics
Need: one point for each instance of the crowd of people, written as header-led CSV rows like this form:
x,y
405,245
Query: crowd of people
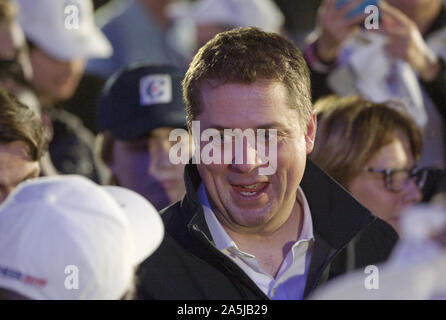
x,y
92,205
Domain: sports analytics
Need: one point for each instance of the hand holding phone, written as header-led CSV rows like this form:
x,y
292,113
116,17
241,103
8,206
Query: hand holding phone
x,y
357,10
335,28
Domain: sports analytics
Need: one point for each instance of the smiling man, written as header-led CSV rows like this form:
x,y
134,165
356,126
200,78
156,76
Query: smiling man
x,y
241,234
22,143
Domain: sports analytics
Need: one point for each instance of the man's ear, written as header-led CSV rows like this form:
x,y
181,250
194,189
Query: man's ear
x,y
310,135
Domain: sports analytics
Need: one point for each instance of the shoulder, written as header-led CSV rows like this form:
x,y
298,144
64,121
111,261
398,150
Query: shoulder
x,y
66,124
373,245
380,237
171,214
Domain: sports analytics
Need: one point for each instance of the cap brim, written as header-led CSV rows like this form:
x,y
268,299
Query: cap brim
x,y
145,222
98,45
141,126
93,45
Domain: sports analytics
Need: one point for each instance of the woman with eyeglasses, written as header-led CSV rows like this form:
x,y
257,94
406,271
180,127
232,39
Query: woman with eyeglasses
x,y
372,150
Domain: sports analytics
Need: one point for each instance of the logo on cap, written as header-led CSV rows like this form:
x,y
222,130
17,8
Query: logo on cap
x,y
155,89
19,276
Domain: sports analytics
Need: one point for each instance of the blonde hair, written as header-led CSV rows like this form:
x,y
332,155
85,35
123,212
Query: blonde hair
x,y
352,130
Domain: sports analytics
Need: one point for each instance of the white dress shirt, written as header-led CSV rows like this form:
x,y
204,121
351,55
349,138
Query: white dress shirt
x,y
291,278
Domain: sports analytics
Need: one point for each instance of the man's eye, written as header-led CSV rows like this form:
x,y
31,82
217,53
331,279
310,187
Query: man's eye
x,y
268,135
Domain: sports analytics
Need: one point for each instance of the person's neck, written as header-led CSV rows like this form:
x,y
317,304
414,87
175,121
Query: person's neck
x,y
271,248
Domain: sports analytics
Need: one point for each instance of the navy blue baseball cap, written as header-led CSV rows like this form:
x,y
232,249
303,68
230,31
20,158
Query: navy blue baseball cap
x,y
141,98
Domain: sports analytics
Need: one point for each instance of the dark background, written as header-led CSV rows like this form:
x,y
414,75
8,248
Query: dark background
x,y
299,14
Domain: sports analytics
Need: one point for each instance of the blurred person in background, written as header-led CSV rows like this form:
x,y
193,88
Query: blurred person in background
x,y
23,141
137,111
203,19
57,243
414,271
15,66
138,30
372,150
62,36
403,59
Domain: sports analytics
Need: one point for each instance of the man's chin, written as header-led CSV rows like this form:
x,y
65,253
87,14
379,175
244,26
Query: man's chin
x,y
252,218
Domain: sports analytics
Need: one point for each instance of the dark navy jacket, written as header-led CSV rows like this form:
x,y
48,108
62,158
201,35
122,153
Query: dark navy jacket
x,y
189,266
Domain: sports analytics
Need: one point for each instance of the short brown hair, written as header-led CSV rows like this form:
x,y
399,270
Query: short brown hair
x,y
352,130
244,55
20,123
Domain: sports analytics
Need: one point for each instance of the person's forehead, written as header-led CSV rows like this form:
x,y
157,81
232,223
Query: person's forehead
x,y
395,154
263,103
16,149
48,57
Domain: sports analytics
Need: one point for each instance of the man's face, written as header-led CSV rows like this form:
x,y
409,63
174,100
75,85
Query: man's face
x,y
242,199
55,80
15,166
143,166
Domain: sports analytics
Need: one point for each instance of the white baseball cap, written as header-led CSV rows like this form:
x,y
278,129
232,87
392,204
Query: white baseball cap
x,y
264,14
65,237
65,29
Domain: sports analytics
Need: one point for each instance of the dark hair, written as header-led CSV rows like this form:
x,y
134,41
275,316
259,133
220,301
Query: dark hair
x,y
20,123
244,55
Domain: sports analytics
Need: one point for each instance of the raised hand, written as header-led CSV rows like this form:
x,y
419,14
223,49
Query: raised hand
x,y
334,27
405,42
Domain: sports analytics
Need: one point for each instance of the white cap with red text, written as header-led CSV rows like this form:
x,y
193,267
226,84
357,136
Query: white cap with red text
x,y
65,29
65,237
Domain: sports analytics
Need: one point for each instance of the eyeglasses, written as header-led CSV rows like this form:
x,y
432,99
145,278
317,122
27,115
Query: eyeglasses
x,y
397,180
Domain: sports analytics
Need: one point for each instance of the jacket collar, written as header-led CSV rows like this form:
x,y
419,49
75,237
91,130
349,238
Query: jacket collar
x,y
191,204
337,216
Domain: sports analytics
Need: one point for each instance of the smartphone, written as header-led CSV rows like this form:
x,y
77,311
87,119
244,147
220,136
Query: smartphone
x,y
359,9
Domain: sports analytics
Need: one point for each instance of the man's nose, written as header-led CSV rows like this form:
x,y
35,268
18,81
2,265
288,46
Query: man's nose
x,y
249,159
